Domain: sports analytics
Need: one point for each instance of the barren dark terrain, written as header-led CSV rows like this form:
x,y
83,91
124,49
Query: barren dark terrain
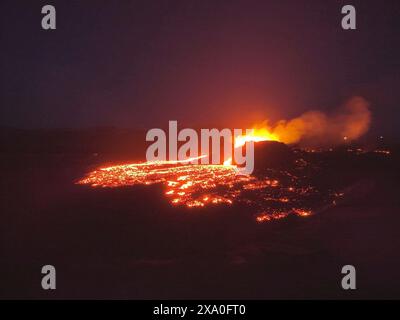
x,y
131,243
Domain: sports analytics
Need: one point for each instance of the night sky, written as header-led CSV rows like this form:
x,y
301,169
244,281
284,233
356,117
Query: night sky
x,y
139,64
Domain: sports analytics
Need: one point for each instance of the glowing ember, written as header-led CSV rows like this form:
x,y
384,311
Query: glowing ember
x,y
302,212
386,152
263,217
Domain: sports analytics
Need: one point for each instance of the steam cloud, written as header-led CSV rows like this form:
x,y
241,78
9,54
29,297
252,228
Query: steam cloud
x,y
348,123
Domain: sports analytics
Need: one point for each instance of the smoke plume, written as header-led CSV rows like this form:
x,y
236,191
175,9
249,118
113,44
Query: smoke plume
x,y
347,123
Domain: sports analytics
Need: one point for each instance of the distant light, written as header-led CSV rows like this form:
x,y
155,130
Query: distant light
x,y
344,138
381,137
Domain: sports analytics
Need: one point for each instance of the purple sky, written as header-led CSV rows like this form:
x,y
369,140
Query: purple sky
x,y
142,63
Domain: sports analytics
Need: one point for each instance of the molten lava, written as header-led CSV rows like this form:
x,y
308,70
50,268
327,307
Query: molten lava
x,y
274,195
187,184
199,185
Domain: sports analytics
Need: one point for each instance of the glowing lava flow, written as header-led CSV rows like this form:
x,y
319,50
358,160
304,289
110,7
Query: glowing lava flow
x,y
273,196
198,185
188,184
